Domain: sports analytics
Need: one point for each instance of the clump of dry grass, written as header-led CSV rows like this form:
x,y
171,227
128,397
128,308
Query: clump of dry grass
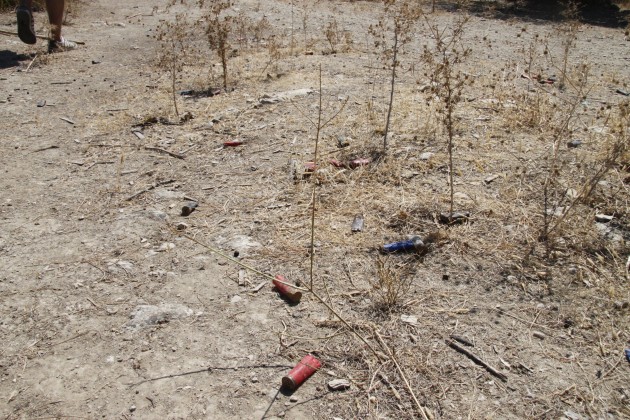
x,y
390,287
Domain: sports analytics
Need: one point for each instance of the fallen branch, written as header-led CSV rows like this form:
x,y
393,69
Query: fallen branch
x,y
47,38
423,411
152,187
54,146
157,149
477,360
208,369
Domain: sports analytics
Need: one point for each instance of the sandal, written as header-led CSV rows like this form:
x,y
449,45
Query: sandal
x,y
26,25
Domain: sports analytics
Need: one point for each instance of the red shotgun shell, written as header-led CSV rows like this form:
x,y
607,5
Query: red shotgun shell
x,y
310,166
337,164
286,290
355,163
301,372
232,143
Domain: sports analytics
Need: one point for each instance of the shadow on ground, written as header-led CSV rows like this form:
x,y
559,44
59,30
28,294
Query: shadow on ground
x,y
599,13
10,59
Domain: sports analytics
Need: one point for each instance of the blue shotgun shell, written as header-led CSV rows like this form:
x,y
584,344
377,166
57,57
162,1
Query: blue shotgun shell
x,y
413,244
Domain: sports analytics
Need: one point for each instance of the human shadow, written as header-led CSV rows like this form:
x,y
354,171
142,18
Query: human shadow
x,y
10,59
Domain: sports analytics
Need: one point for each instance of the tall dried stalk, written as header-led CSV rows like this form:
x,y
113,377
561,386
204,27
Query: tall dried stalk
x,y
398,18
448,82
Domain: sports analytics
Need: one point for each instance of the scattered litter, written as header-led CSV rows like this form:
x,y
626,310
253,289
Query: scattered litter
x,y
285,289
426,155
68,120
138,134
490,179
539,335
414,244
409,319
357,223
622,92
242,277
257,288
603,218
189,208
339,384
627,352
301,372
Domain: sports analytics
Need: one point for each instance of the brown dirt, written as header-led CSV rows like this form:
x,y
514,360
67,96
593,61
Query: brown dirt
x,y
77,256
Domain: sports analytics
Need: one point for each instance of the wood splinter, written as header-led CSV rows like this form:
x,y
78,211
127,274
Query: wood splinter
x,y
477,360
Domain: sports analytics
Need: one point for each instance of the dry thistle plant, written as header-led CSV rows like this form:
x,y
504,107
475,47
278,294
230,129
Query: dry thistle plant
x,y
261,29
243,25
172,56
218,29
613,155
398,22
444,59
568,36
332,35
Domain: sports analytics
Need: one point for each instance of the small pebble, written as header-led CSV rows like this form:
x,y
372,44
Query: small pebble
x,y
539,335
132,408
339,384
574,143
293,399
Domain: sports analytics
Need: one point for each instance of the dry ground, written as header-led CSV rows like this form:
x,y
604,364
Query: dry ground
x,y
81,250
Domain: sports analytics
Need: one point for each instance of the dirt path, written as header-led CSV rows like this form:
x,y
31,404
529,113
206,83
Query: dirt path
x,y
100,293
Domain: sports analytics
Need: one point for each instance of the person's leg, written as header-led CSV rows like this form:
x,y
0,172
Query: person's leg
x,y
26,26
55,10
